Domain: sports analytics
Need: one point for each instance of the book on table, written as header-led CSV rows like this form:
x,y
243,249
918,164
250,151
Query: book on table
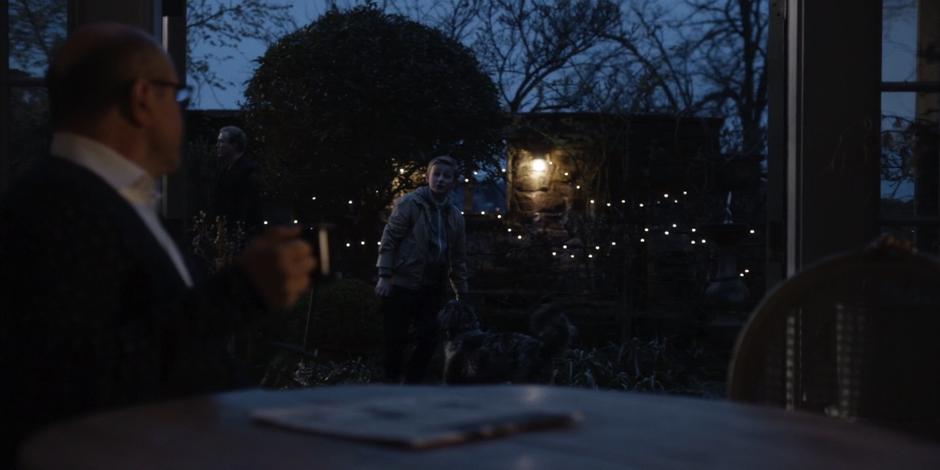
x,y
417,423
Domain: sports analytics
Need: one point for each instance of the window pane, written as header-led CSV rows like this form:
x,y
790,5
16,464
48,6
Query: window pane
x,y
910,164
909,133
899,40
897,172
29,129
36,27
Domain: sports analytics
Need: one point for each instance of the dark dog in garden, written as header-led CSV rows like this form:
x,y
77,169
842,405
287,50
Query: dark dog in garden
x,y
472,355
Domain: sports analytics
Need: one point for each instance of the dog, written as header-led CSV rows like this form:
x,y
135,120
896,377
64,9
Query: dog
x,y
472,355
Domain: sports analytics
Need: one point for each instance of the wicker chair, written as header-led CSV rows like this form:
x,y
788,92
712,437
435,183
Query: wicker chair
x,y
856,337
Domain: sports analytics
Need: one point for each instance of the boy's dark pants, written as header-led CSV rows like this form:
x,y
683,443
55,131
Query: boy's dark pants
x,y
399,309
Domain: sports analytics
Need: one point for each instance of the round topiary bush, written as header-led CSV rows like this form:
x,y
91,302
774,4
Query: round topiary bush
x,y
352,106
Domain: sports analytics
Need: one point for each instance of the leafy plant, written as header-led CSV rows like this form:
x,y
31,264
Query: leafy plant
x,y
294,371
661,364
215,242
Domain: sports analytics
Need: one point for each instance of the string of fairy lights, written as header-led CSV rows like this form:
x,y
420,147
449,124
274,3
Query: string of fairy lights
x,y
583,251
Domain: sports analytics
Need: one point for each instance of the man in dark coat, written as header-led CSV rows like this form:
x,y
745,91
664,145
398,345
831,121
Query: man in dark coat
x,y
98,307
237,194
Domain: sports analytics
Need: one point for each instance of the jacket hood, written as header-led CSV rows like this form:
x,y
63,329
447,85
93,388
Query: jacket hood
x,y
427,198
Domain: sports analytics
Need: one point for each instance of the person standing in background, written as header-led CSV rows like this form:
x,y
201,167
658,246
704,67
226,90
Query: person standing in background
x,y
237,194
423,244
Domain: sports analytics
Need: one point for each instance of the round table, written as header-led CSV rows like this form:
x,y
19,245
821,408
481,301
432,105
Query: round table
x,y
617,430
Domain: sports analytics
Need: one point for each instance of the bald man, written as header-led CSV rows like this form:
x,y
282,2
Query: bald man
x,y
99,307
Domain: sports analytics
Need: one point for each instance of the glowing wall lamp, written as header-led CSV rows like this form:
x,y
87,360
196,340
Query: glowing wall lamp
x,y
539,165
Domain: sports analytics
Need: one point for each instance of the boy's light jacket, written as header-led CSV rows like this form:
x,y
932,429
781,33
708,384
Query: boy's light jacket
x,y
405,246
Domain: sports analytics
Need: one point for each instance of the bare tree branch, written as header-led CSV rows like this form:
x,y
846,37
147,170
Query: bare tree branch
x,y
224,25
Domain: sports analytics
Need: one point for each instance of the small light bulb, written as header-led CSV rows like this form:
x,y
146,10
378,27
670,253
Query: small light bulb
x,y
642,240
466,180
592,201
519,237
703,240
482,212
349,202
693,230
674,225
499,216
753,231
363,243
509,229
590,255
641,204
646,229
314,198
693,242
265,222
597,247
295,221
613,243
666,232
747,271
608,204
348,244
554,253
665,196
566,173
572,256
564,247
577,187
401,171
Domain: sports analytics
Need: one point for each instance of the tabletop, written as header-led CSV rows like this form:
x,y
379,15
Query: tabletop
x,y
616,430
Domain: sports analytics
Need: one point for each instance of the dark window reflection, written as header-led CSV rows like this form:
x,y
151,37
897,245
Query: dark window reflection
x,y
29,128
910,153
36,28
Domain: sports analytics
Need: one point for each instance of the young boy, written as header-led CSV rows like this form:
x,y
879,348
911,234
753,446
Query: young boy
x,y
422,245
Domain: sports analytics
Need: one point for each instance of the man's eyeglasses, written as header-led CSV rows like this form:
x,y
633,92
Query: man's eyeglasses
x,y
183,92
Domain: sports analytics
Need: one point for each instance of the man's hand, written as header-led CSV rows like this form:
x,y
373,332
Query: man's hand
x,y
384,287
278,263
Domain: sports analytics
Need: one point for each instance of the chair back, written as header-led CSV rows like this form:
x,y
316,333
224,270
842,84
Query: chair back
x,y
854,336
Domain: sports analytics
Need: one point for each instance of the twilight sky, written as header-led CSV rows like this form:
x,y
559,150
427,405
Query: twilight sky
x,y
898,59
241,66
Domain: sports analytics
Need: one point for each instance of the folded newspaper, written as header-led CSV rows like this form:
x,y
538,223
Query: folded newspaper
x,y
417,423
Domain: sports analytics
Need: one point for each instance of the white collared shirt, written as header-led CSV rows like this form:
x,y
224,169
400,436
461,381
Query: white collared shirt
x,y
128,179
